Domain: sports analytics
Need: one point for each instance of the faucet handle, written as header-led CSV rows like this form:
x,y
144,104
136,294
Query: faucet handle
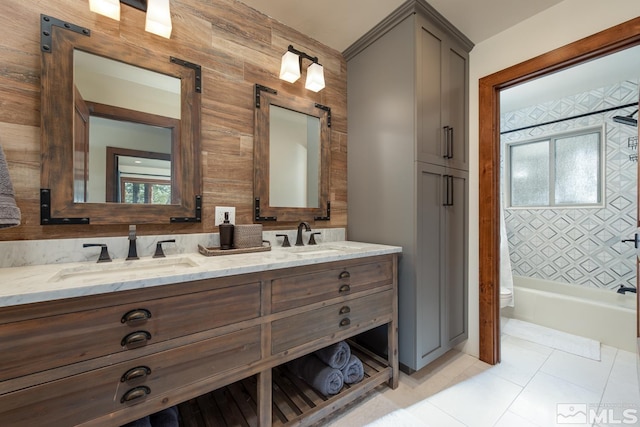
x,y
104,253
285,242
312,239
159,253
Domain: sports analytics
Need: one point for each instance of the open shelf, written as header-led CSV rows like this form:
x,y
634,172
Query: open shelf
x,y
294,402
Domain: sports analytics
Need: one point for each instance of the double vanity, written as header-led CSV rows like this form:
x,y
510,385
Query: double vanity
x,y
104,344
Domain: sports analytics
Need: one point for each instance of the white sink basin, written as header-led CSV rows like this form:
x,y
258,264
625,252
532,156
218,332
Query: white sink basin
x,y
310,251
125,269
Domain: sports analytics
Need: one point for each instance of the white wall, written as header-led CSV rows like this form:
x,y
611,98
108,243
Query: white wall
x,y
562,24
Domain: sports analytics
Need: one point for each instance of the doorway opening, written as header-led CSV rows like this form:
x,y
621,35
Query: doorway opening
x,y
615,39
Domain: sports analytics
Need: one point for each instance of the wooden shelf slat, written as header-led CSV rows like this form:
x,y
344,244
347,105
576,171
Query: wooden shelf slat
x,y
295,403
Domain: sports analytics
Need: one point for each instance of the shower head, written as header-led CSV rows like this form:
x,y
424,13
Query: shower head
x,y
627,120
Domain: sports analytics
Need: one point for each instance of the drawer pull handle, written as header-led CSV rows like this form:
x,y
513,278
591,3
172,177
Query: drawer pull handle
x,y
137,315
344,275
344,288
135,373
345,310
136,339
135,393
345,322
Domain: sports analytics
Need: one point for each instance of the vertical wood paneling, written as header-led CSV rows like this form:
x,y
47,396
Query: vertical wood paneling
x,y
236,47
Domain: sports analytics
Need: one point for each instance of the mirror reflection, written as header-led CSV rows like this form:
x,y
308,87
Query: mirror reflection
x,y
294,159
123,107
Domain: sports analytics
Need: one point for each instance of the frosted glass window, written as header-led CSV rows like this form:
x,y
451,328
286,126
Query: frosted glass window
x,y
563,170
578,169
530,174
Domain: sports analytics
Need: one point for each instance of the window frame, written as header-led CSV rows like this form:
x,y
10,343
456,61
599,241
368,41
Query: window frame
x,y
552,138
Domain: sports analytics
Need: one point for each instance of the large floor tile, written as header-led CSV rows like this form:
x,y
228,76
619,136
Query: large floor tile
x,y
509,419
586,373
520,360
479,401
539,401
434,416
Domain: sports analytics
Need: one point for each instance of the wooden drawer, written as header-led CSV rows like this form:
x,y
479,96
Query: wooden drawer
x,y
295,291
86,396
356,314
35,345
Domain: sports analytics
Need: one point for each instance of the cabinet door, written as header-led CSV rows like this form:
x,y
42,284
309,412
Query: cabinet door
x,y
442,264
431,132
455,98
431,329
442,96
455,277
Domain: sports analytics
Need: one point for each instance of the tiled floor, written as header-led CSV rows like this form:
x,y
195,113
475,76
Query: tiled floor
x,y
533,386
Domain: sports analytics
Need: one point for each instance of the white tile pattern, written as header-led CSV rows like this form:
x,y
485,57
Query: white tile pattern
x,y
580,246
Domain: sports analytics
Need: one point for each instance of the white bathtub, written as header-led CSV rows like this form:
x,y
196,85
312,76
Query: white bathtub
x,y
599,314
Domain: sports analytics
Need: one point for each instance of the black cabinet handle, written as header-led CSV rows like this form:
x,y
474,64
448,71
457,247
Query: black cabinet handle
x,y
136,339
345,310
450,146
344,275
344,289
135,373
345,322
135,394
136,316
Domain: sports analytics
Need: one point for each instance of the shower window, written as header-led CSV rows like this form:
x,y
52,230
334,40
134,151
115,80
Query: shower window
x,y
557,171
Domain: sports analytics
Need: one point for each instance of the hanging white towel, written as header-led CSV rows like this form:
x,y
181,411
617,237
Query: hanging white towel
x,y
506,274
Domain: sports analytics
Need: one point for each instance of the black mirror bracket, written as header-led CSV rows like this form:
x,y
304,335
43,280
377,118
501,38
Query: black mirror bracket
x,y
46,25
257,213
196,218
325,218
45,212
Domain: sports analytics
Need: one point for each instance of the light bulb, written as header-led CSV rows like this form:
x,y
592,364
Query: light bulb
x,y
109,8
290,68
315,77
158,18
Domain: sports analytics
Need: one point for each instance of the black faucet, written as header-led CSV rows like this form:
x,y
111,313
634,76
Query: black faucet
x,y
104,253
622,289
133,250
307,227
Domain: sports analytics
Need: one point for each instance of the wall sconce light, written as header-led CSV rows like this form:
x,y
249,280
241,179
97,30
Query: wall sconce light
x,y
158,19
292,63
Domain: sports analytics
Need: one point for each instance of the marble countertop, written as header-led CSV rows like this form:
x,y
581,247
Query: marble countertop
x,y
29,284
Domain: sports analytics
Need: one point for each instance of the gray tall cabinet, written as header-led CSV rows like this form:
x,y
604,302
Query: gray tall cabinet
x,y
408,164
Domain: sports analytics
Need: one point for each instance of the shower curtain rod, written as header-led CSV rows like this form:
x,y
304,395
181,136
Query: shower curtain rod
x,y
579,116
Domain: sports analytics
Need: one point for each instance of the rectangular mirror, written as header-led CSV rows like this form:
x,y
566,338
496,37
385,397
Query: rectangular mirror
x,y
127,107
294,159
291,158
101,94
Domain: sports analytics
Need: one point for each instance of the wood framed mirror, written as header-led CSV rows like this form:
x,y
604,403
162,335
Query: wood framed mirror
x,y
74,111
292,158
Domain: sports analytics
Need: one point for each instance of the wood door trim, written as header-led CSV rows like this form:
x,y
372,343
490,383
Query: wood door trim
x,y
616,38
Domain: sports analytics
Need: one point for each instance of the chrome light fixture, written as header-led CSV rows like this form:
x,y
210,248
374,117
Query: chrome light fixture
x,y
292,63
158,20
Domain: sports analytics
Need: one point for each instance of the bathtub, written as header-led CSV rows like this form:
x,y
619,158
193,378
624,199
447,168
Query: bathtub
x,y
599,314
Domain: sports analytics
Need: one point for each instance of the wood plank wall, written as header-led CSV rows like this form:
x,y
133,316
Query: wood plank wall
x,y
236,47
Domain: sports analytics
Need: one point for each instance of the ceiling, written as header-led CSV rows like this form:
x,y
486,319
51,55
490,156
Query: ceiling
x,y
339,23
